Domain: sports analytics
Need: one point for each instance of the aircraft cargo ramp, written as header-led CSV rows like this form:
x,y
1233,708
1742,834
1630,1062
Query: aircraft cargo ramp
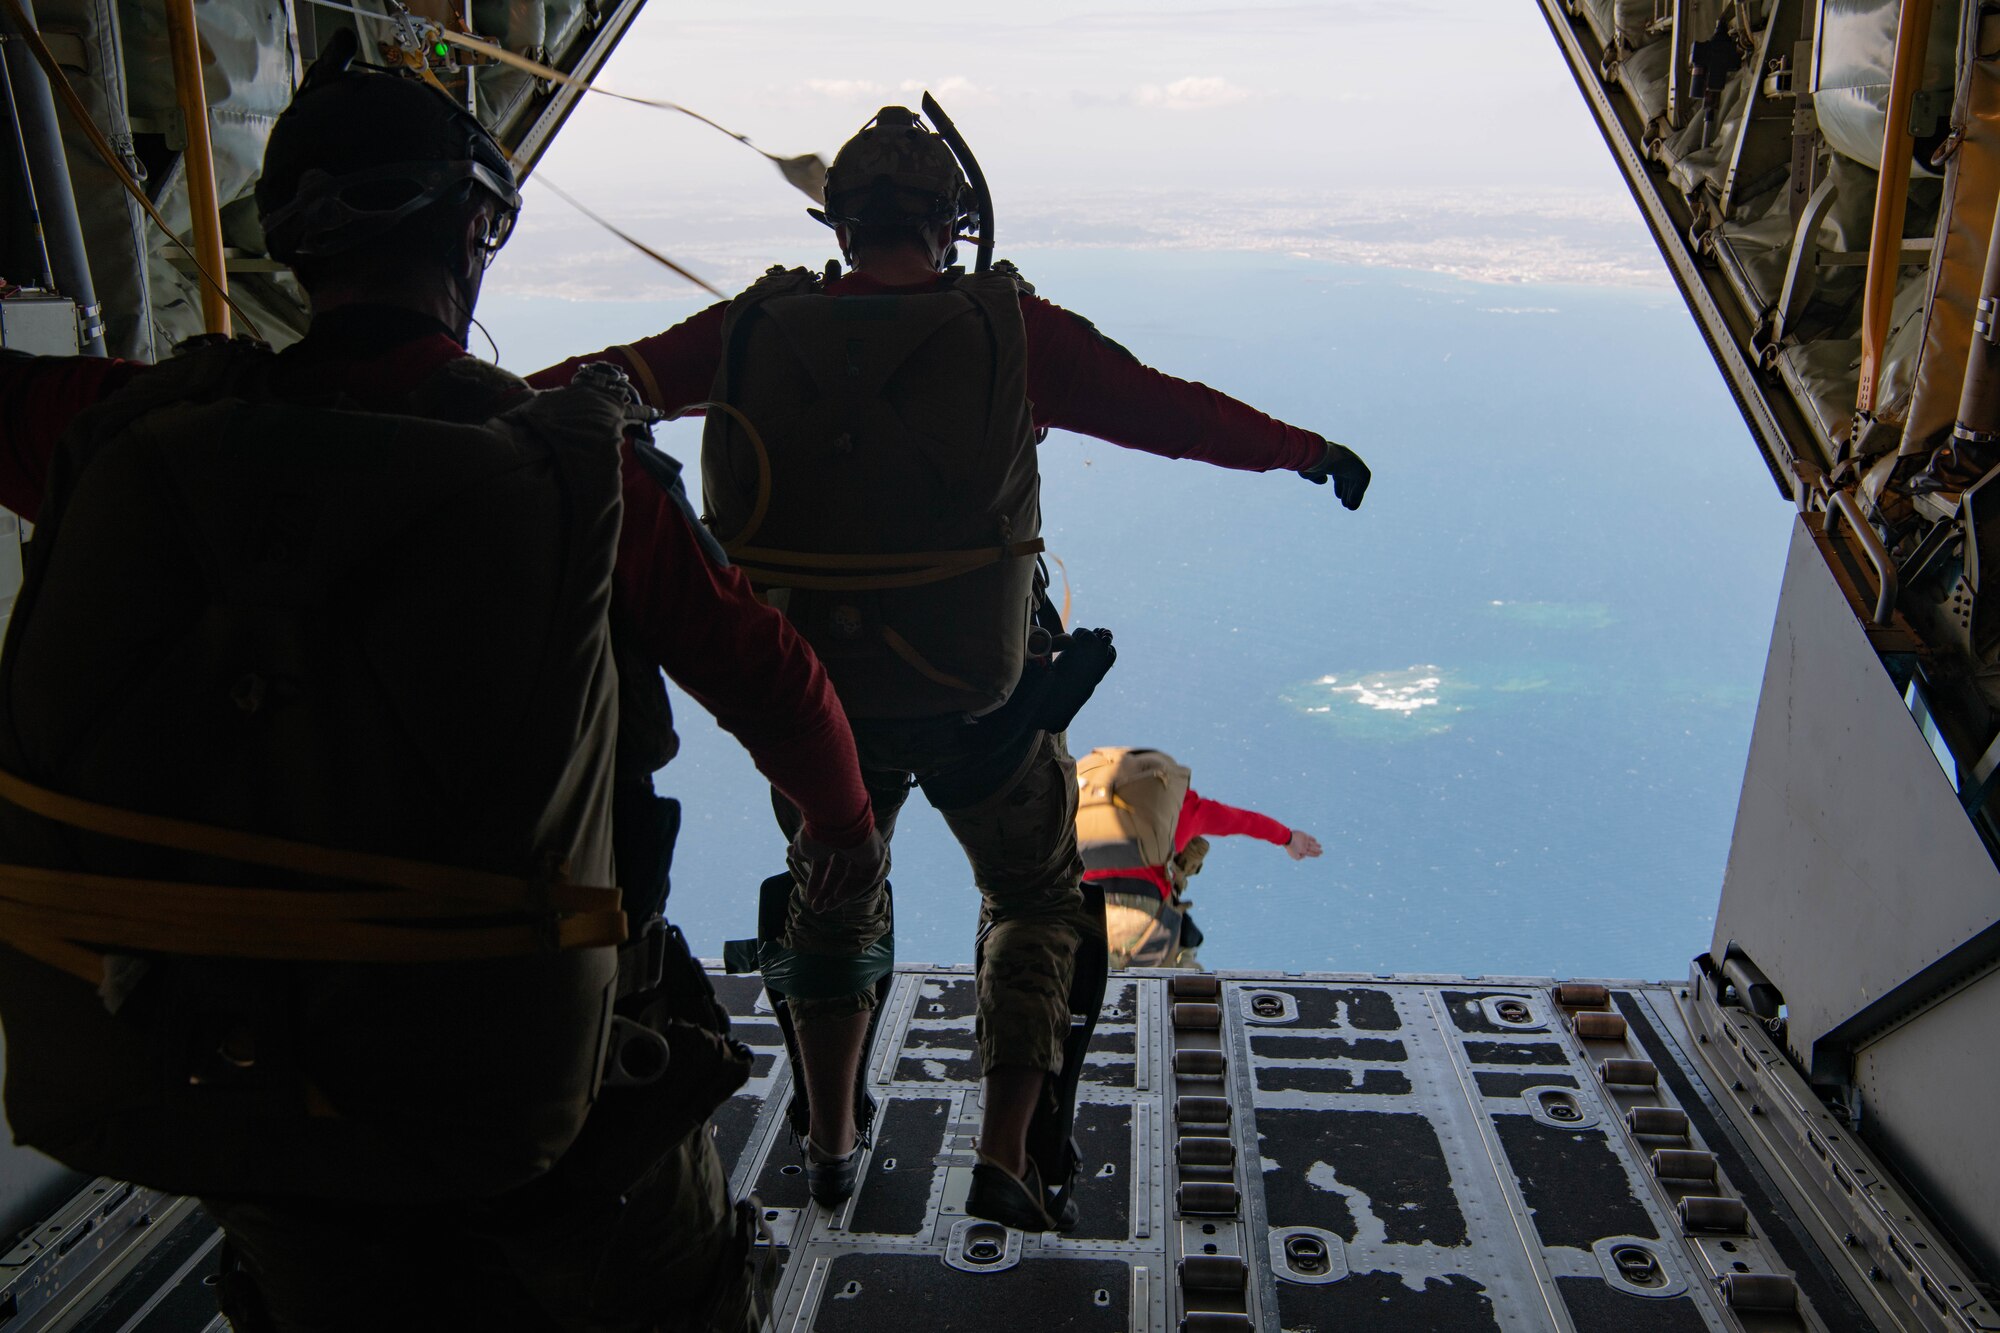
x,y
1272,1152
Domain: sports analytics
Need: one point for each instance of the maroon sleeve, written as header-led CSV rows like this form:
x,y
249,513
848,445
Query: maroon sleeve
x,y
740,660
671,370
1080,380
39,397
1203,818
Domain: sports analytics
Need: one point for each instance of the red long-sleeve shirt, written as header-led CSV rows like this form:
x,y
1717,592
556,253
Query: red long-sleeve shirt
x,y
1203,818
699,620
1078,380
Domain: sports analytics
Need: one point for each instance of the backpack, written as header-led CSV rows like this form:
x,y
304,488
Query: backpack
x,y
869,463
1128,805
272,658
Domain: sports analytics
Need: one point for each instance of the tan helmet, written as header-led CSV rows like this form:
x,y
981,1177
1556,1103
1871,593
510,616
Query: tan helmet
x,y
895,173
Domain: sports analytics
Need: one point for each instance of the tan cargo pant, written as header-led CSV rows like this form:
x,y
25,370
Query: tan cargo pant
x,y
671,1256
1014,813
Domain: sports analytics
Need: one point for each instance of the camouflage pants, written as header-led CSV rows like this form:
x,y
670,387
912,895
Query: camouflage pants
x,y
671,1256
1014,814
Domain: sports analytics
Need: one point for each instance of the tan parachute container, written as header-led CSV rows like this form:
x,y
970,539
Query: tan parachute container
x,y
1141,930
1128,803
869,463
306,729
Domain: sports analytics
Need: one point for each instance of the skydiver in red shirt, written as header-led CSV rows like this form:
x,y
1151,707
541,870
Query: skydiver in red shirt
x,y
632,1219
875,469
1145,907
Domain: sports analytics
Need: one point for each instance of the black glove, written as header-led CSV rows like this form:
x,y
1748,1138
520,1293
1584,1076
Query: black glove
x,y
834,875
1078,668
1349,474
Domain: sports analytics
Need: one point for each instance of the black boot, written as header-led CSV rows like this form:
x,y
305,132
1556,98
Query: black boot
x,y
997,1195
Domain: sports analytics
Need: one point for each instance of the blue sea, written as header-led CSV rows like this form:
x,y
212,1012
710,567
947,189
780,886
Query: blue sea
x,y
1512,695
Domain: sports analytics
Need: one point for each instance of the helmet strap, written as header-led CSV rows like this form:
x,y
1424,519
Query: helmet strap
x,y
464,272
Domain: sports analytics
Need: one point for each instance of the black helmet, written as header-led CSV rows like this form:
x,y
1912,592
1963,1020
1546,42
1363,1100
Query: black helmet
x,y
895,173
360,149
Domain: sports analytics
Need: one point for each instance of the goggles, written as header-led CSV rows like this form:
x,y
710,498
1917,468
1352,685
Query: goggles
x,y
332,214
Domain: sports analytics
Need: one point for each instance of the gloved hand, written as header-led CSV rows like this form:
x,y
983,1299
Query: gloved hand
x,y
1349,474
834,875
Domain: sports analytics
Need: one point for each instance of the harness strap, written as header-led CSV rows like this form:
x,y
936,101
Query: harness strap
x,y
903,649
649,385
429,913
872,572
448,883
970,558
734,413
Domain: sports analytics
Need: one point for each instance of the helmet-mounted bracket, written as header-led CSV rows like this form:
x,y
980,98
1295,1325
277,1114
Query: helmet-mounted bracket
x,y
982,195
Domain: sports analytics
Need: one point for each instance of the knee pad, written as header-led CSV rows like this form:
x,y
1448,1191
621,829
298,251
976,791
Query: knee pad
x,y
793,974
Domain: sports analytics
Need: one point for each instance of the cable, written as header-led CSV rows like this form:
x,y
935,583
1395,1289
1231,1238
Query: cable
x,y
806,173
489,337
632,241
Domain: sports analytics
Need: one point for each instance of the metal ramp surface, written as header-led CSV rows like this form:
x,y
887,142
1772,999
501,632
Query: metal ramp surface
x,y
1303,1153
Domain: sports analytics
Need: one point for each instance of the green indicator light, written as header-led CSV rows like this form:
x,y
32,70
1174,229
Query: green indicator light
x,y
443,50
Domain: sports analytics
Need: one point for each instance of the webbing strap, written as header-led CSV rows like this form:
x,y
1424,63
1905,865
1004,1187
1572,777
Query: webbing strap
x,y
788,569
763,502
649,384
155,917
902,648
970,558
450,883
427,913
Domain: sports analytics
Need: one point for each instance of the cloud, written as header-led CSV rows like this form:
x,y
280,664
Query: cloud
x,y
954,90
845,90
1191,94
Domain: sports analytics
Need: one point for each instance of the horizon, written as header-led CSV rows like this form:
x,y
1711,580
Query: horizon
x,y
1125,126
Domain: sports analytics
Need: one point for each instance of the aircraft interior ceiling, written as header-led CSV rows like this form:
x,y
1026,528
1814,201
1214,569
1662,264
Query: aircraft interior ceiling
x,y
117,55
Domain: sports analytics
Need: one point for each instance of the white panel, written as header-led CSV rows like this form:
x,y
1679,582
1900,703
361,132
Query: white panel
x,y
1929,1093
1852,864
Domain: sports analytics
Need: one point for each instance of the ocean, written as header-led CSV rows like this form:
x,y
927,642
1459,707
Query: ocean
x,y
1512,695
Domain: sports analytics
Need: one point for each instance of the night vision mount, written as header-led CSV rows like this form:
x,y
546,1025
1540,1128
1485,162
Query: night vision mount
x,y
982,195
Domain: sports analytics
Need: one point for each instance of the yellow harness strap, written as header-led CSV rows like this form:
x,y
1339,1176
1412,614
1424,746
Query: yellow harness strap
x,y
649,386
768,567
424,913
790,569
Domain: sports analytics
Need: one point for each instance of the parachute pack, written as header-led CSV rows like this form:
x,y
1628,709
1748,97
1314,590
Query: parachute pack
x,y
307,717
873,472
1128,803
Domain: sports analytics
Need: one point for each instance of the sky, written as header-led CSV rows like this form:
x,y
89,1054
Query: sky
x,y
1444,137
